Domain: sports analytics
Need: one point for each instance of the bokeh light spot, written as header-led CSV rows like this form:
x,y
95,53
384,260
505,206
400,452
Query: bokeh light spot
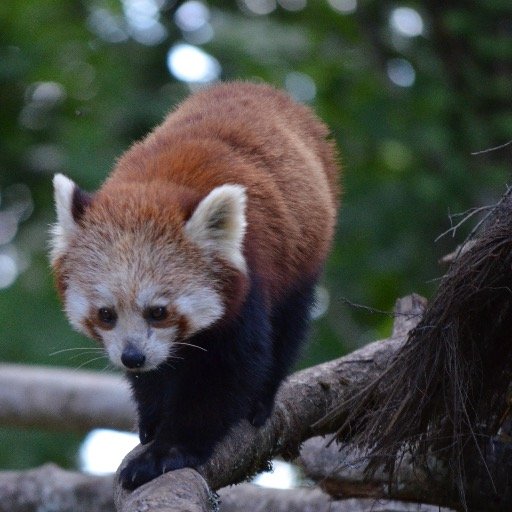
x,y
191,64
107,26
8,270
259,7
48,93
344,6
8,227
143,21
406,21
301,86
103,450
191,16
293,5
401,72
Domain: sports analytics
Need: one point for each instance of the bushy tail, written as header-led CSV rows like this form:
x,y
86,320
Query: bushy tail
x,y
446,388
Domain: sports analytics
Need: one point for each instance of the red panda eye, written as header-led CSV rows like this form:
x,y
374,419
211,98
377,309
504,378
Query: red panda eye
x,y
156,313
107,315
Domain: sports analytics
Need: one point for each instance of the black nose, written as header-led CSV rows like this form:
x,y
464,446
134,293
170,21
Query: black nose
x,y
132,357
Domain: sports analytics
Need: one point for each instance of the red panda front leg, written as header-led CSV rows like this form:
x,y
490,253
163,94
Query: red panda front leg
x,y
146,390
157,459
206,392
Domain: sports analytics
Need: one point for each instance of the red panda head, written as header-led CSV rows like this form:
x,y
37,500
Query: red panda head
x,y
141,269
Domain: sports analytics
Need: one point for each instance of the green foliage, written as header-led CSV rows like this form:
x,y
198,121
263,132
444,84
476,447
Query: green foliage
x,y
77,87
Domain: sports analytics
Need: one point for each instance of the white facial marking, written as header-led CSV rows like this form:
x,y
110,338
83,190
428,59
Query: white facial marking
x,y
104,296
219,222
77,308
150,296
201,307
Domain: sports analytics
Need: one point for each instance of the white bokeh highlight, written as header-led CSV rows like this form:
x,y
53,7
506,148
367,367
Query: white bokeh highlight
x,y
189,63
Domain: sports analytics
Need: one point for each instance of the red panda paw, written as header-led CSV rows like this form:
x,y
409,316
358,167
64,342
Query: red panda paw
x,y
157,459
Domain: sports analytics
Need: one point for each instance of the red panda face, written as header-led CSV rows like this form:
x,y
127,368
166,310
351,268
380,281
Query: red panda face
x,y
143,285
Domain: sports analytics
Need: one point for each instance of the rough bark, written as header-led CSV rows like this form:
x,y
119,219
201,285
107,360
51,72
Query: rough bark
x,y
184,491
340,471
247,497
49,488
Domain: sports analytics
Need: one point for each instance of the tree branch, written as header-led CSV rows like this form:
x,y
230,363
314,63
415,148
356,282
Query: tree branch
x,y
60,399
51,488
340,471
236,499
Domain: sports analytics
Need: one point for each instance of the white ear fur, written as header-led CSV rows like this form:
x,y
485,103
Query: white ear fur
x,y
218,223
64,189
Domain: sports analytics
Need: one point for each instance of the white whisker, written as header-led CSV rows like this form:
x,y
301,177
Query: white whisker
x,y
170,365
189,345
72,349
90,361
107,367
76,356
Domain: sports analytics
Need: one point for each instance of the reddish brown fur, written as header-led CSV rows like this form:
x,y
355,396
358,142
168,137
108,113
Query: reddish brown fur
x,y
59,278
230,336
279,152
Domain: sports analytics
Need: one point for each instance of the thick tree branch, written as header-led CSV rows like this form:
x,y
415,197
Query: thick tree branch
x,y
237,499
51,488
185,490
340,471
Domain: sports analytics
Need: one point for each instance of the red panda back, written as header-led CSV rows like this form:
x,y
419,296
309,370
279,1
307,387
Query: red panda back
x,y
256,136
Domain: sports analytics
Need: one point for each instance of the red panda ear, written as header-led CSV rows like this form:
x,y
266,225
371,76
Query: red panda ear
x,y
70,205
218,224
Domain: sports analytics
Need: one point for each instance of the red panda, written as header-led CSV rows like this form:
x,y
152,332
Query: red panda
x,y
195,263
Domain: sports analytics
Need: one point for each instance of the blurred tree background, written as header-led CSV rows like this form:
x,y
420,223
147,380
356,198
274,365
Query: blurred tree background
x,y
409,89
